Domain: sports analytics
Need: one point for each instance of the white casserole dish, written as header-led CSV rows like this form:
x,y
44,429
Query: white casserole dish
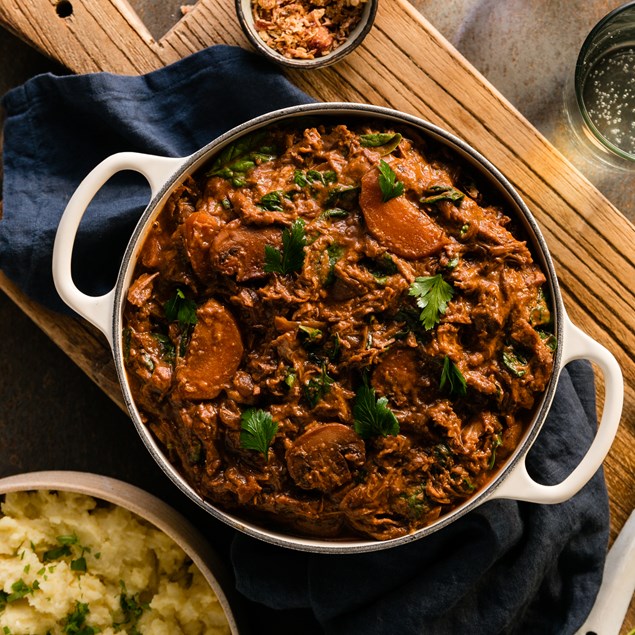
x,y
164,174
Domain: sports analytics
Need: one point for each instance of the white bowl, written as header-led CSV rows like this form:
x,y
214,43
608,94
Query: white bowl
x,y
355,38
146,506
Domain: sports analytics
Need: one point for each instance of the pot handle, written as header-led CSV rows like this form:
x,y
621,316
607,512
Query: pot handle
x,y
518,485
98,310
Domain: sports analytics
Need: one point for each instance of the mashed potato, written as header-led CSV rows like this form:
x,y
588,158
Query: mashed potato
x,y
71,564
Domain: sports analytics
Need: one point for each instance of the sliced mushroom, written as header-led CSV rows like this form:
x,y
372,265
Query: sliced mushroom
x,y
239,250
321,457
213,355
398,223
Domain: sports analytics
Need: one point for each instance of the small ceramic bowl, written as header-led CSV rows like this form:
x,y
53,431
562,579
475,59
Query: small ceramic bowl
x,y
355,38
150,509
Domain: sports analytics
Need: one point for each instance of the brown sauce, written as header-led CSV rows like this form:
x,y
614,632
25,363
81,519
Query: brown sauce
x,y
276,344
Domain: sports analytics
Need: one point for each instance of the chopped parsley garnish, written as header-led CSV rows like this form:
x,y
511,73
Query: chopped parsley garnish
x,y
291,258
381,267
416,500
257,430
442,454
240,157
310,177
272,201
438,193
387,141
549,340
70,539
372,416
289,378
433,294
469,485
56,553
540,315
168,350
334,253
131,609
75,622
340,196
452,379
299,178
335,212
496,442
311,334
181,309
390,187
65,550
515,362
316,389
20,589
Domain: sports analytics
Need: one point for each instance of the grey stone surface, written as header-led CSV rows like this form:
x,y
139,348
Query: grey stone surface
x,y
528,49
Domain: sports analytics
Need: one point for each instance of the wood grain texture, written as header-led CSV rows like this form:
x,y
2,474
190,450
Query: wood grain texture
x,y
405,64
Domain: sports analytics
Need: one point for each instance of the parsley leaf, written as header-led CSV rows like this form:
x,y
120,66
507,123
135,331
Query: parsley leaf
x,y
372,416
257,430
390,187
181,309
433,294
271,202
131,609
453,378
316,389
291,258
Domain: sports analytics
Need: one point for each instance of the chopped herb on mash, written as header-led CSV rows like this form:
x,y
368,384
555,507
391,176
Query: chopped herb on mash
x,y
75,622
131,609
162,585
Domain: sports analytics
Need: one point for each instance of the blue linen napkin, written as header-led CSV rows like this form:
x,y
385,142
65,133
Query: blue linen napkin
x,y
507,567
59,128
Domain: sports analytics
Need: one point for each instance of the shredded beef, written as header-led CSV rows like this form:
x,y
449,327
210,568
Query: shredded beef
x,y
225,323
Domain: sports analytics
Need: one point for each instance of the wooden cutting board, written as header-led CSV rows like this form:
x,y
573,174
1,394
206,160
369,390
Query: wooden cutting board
x,y
405,64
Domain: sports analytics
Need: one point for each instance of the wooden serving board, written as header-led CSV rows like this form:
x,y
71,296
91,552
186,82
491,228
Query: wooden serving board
x,y
406,64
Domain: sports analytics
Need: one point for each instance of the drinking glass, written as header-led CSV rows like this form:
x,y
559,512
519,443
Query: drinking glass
x,y
600,96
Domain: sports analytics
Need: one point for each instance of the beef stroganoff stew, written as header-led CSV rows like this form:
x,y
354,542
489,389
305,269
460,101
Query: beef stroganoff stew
x,y
337,330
